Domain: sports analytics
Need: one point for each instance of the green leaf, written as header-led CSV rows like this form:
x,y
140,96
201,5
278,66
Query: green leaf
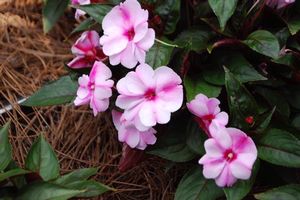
x,y
171,145
296,121
42,159
18,181
195,39
159,55
60,91
91,188
280,148
294,25
223,10
195,137
52,11
85,25
264,121
242,187
169,11
5,147
264,43
193,186
287,192
96,11
11,173
195,85
237,64
77,175
46,191
7,193
241,103
274,98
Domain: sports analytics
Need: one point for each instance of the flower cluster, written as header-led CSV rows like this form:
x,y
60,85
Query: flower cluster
x,y
230,153
147,96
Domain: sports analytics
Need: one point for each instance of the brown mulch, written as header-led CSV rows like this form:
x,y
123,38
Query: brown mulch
x,y
28,59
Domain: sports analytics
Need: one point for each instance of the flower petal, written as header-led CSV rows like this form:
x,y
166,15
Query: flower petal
x,y
148,41
146,114
239,170
226,178
213,169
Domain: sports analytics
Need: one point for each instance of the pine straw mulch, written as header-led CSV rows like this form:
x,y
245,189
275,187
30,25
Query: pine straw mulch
x,y
28,59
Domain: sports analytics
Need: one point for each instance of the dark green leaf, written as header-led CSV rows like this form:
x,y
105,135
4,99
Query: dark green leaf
x,y
193,186
195,85
241,188
96,11
296,121
264,120
195,39
294,25
287,192
7,193
77,175
11,173
42,159
5,147
195,137
91,188
237,64
171,145
85,25
60,91
18,181
169,11
52,11
223,10
241,103
274,98
46,191
280,148
159,55
176,152
264,43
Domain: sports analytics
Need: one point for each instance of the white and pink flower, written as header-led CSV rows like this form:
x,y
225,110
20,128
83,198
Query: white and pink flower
x,y
87,50
278,4
149,96
230,155
79,12
128,133
126,34
207,111
95,89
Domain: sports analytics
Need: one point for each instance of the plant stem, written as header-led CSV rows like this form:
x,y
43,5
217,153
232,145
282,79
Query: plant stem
x,y
166,44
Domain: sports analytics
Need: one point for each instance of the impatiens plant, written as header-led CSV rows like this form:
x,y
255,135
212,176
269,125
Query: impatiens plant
x,y
41,179
212,83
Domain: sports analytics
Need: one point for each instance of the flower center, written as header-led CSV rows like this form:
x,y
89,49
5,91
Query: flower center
x,y
92,86
229,155
208,117
150,94
130,34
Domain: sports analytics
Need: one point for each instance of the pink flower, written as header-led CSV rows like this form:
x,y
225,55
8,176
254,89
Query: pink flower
x,y
207,111
128,133
79,12
87,50
230,155
279,3
95,89
126,34
149,96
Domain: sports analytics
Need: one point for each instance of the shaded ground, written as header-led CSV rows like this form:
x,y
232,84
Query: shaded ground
x,y
28,59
